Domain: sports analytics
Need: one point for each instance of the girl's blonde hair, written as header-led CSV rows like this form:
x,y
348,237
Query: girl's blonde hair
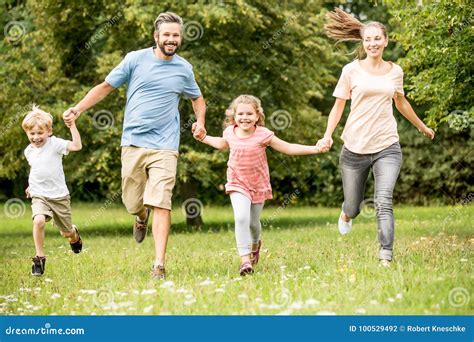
x,y
245,99
38,117
343,27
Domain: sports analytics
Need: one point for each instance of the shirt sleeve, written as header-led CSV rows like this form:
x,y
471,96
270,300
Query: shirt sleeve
x,y
60,145
398,83
191,88
267,136
343,87
121,73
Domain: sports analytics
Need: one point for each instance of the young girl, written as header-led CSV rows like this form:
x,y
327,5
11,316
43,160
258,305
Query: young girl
x,y
370,135
248,176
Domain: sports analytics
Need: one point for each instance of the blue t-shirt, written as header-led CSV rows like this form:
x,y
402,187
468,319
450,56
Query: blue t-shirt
x,y
154,89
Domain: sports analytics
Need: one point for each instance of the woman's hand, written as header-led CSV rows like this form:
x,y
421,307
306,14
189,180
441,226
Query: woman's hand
x,y
324,144
427,132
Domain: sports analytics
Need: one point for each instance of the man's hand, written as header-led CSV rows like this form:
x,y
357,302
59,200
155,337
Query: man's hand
x,y
70,115
198,130
27,192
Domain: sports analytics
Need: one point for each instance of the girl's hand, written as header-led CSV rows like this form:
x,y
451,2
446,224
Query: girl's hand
x,y
324,144
428,132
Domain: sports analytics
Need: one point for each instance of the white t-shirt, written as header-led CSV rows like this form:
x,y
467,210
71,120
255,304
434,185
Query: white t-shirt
x,y
371,126
46,174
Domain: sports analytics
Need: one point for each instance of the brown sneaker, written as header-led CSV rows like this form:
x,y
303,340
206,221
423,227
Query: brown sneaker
x,y
141,227
77,245
158,272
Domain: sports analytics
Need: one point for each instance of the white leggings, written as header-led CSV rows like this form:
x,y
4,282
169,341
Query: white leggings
x,y
247,222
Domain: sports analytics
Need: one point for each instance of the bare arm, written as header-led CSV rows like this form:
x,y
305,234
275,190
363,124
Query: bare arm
x,y
292,149
198,129
216,142
407,111
94,96
334,117
75,144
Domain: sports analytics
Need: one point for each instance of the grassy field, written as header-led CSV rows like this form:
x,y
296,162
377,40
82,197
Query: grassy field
x,y
306,267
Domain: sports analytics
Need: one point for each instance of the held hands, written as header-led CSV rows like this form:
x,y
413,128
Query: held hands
x,y
324,144
199,131
70,116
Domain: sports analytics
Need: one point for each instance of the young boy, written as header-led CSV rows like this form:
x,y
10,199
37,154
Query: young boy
x,y
46,183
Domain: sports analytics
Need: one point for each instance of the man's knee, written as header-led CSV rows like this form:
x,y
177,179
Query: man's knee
x,y
39,220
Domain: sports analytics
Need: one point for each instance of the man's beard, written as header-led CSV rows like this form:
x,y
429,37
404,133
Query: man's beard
x,y
163,49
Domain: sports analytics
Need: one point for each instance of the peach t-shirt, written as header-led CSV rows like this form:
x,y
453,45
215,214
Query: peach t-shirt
x,y
371,126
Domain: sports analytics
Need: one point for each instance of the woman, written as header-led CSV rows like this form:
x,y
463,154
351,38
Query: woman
x,y
370,135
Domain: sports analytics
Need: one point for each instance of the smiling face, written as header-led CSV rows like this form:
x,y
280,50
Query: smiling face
x,y
38,135
374,41
246,117
168,38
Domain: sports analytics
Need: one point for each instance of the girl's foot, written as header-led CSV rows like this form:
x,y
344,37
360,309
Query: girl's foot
x,y
255,255
246,268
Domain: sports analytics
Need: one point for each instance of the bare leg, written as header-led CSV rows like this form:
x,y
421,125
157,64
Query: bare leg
x,y
161,228
38,234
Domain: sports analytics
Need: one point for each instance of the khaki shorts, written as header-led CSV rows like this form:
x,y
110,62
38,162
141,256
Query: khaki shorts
x,y
58,209
148,178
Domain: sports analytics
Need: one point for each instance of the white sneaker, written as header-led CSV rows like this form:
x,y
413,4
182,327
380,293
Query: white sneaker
x,y
344,227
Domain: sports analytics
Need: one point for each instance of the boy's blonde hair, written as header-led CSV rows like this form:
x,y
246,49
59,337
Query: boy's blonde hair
x,y
245,99
38,117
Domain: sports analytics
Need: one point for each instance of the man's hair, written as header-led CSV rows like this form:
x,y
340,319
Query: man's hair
x,y
167,17
37,117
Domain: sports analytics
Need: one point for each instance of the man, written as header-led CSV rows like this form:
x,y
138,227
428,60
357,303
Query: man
x,y
156,78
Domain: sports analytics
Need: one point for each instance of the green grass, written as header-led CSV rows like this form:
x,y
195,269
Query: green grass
x,y
306,267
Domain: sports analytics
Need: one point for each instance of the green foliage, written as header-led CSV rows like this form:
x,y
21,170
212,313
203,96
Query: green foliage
x,y
438,39
274,50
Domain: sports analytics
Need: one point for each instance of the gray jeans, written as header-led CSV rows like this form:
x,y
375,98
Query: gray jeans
x,y
355,169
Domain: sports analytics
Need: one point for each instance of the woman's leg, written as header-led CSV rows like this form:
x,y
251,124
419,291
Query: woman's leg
x,y
386,168
354,170
241,205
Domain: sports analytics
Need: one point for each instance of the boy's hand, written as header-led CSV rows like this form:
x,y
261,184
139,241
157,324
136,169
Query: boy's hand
x,y
27,192
69,116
